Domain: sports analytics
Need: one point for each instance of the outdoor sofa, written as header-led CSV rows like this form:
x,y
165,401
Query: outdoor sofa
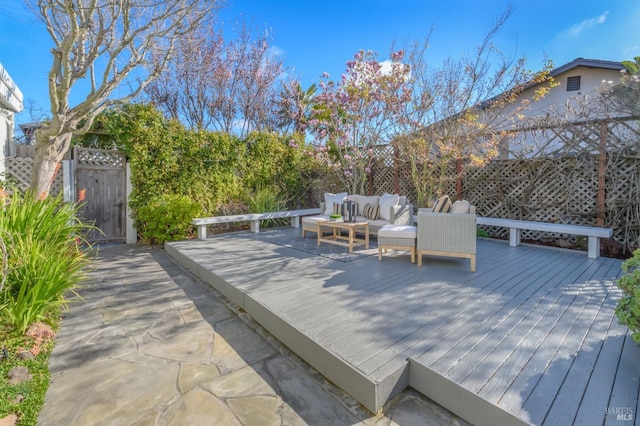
x,y
378,210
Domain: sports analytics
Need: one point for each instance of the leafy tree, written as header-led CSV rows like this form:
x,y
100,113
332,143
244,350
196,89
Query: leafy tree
x,y
97,46
626,95
358,113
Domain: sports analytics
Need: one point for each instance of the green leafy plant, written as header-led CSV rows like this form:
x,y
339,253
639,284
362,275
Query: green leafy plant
x,y
166,218
628,309
482,233
42,258
265,200
25,400
213,169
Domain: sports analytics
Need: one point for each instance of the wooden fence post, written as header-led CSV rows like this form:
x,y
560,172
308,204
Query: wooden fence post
x,y
602,172
396,171
458,178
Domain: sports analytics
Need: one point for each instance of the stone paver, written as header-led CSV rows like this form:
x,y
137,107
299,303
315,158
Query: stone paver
x,y
150,345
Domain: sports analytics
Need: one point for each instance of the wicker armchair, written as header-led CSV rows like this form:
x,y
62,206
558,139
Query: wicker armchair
x,y
447,234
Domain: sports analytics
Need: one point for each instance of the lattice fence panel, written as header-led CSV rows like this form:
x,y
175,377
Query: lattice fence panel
x,y
405,183
384,178
99,158
623,199
20,168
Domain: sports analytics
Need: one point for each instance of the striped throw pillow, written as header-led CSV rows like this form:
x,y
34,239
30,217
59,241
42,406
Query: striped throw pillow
x,y
442,205
371,212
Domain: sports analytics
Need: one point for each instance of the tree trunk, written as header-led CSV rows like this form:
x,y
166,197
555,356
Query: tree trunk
x,y
49,152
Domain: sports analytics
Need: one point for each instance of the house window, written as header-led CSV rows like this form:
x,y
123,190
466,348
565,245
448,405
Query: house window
x,y
573,83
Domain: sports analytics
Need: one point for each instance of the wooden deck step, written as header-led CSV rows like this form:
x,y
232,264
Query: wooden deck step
x,y
529,338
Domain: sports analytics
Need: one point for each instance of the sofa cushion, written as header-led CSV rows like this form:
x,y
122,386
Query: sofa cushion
x,y
442,205
330,198
371,211
398,231
363,200
461,206
386,202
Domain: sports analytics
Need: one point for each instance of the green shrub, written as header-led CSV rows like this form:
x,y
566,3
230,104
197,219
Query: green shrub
x,y
166,218
265,200
43,258
628,309
482,233
214,169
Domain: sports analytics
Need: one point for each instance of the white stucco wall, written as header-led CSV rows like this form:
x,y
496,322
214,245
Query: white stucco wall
x,y
590,80
533,143
10,103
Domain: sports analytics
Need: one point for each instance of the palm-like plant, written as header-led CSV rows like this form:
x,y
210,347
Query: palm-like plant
x,y
42,258
294,106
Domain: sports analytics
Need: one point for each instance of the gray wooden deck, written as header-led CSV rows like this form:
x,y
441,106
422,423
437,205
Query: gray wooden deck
x,y
529,338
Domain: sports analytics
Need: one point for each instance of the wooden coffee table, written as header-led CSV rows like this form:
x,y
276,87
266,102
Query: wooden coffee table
x,y
338,239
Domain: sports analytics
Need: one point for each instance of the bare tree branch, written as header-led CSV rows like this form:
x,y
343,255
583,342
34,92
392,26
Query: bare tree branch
x,y
101,46
218,84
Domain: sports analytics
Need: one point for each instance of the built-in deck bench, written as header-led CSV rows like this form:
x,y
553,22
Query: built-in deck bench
x,y
516,226
253,219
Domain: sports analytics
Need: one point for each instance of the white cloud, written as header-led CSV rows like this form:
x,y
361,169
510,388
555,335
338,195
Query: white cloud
x,y
276,51
386,67
588,23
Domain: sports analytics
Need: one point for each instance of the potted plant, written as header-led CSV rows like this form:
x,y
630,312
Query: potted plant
x,y
335,217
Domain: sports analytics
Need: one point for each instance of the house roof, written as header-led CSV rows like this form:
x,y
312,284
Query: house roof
x,y
578,62
589,63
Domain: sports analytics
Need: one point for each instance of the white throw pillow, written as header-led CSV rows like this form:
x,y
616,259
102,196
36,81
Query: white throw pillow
x,y
330,198
386,202
461,206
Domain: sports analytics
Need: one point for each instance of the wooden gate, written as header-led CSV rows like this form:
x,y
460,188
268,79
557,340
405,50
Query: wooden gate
x,y
100,185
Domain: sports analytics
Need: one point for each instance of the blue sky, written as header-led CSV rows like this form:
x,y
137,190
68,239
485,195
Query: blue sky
x,y
320,36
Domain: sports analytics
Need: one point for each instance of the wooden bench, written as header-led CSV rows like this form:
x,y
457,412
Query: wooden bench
x,y
516,226
253,219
